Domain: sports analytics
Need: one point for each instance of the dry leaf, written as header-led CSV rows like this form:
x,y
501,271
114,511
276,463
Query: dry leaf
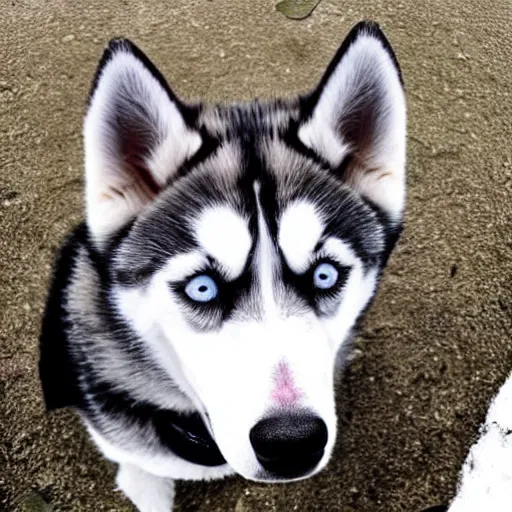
x,y
297,9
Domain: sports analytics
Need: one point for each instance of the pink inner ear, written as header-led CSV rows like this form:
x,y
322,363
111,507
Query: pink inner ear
x,y
285,392
135,148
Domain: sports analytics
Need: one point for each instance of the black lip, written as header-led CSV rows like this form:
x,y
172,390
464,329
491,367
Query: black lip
x,y
189,438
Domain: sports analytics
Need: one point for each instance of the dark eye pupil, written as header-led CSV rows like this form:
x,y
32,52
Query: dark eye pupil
x,y
203,288
323,276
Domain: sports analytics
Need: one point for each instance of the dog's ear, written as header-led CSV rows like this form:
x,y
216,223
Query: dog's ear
x,y
356,119
136,135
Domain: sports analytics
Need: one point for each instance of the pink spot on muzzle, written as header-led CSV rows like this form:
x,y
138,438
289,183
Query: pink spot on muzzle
x,y
285,392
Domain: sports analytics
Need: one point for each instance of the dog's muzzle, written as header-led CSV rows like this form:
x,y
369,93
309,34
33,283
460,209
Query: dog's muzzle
x,y
289,446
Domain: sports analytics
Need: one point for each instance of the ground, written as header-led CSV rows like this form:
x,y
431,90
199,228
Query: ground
x,y
436,345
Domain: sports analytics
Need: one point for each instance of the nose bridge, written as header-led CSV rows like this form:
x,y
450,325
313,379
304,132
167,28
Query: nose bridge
x,y
285,392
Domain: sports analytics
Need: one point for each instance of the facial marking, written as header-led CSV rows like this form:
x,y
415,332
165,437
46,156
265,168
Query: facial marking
x,y
300,229
285,393
224,235
341,252
184,265
265,261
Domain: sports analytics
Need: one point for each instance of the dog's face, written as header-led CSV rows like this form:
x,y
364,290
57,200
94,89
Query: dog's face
x,y
245,241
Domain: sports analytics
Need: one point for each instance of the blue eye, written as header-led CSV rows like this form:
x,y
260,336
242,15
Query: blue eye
x,y
202,289
325,276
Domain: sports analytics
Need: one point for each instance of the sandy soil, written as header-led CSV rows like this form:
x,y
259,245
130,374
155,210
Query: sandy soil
x,y
436,345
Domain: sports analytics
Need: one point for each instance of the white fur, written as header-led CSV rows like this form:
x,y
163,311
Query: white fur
x,y
382,177
318,134
147,492
300,229
115,194
224,235
486,477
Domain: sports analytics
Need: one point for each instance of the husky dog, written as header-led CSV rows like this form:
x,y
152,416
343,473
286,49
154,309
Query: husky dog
x,y
195,317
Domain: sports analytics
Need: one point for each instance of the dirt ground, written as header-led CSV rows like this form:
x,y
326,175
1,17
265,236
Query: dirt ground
x,y
436,344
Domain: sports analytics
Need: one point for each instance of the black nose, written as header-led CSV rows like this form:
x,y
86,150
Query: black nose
x,y
289,446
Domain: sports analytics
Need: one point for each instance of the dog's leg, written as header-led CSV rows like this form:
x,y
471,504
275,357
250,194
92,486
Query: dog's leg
x,y
149,493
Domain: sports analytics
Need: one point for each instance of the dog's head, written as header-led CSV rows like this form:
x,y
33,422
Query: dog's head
x,y
244,241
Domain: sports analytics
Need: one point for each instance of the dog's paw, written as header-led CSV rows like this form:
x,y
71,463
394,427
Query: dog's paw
x,y
149,493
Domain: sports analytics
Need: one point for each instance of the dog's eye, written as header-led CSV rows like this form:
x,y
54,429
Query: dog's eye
x,y
325,276
202,289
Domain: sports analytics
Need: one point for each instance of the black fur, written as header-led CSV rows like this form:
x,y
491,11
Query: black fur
x,y
57,371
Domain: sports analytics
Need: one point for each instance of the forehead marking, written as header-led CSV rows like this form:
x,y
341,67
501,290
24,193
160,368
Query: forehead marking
x,y
183,265
300,230
265,260
224,235
342,252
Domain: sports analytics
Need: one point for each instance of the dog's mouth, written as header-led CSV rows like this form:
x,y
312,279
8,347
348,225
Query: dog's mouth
x,y
189,438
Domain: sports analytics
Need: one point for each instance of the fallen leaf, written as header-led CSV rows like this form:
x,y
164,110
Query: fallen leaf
x,y
297,9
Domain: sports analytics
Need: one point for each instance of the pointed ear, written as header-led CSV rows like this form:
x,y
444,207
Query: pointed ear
x,y
136,136
356,119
